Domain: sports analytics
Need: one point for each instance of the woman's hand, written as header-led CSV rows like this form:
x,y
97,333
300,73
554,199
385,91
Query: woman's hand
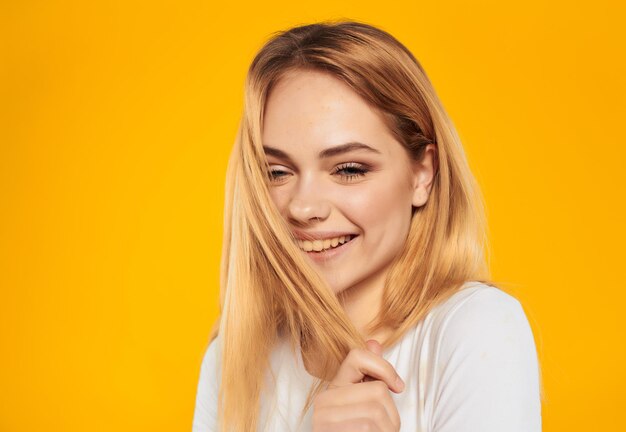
x,y
358,398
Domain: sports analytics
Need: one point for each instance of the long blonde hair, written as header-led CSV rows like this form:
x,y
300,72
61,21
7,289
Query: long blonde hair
x,y
268,287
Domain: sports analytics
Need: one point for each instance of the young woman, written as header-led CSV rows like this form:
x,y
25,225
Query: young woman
x,y
354,292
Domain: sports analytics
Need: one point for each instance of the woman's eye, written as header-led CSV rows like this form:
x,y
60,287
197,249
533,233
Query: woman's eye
x,y
348,172
351,171
276,174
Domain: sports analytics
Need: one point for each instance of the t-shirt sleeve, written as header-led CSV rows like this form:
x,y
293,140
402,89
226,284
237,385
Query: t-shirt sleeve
x,y
486,367
205,414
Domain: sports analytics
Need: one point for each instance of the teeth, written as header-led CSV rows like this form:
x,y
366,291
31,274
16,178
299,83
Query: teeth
x,y
319,245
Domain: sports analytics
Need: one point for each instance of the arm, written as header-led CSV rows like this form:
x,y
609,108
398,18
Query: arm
x,y
205,414
487,376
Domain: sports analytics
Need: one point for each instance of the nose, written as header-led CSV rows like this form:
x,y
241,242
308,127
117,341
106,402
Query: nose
x,y
308,203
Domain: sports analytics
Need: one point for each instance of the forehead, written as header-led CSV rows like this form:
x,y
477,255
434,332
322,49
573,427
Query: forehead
x,y
308,111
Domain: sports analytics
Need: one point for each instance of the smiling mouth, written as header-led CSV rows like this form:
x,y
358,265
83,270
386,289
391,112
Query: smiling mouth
x,y
321,246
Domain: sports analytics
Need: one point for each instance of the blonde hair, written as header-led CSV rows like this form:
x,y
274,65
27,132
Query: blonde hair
x,y
267,286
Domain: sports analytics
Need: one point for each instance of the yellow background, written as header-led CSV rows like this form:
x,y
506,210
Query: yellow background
x,y
116,121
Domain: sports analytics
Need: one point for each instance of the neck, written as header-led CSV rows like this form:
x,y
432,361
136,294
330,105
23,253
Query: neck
x,y
362,303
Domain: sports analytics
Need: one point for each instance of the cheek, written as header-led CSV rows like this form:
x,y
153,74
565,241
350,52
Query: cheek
x,y
362,206
379,206
279,198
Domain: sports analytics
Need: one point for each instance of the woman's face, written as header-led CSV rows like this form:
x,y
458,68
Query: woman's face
x,y
337,171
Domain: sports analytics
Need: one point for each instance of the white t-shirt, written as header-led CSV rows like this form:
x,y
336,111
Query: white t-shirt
x,y
469,366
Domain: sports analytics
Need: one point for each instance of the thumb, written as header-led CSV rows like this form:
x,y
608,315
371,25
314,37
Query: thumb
x,y
374,346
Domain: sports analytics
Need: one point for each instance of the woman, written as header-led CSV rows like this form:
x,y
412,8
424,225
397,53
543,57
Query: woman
x,y
353,256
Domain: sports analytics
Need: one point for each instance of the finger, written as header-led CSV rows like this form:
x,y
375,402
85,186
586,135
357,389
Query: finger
x,y
361,362
374,411
361,393
359,424
374,346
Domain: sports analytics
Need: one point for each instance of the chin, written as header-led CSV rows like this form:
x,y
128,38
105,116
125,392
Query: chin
x,y
339,287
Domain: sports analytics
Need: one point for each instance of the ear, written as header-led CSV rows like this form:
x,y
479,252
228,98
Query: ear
x,y
423,175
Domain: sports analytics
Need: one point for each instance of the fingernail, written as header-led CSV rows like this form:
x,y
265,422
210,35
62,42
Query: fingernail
x,y
399,383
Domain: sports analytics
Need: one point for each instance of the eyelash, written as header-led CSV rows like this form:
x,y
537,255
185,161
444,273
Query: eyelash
x,y
360,171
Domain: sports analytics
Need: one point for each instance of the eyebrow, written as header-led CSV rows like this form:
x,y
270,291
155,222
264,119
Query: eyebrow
x,y
326,153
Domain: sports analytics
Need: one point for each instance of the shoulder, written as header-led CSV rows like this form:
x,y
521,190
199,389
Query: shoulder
x,y
212,357
477,297
485,367
482,319
205,414
477,306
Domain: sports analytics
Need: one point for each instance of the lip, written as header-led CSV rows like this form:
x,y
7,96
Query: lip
x,y
331,254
